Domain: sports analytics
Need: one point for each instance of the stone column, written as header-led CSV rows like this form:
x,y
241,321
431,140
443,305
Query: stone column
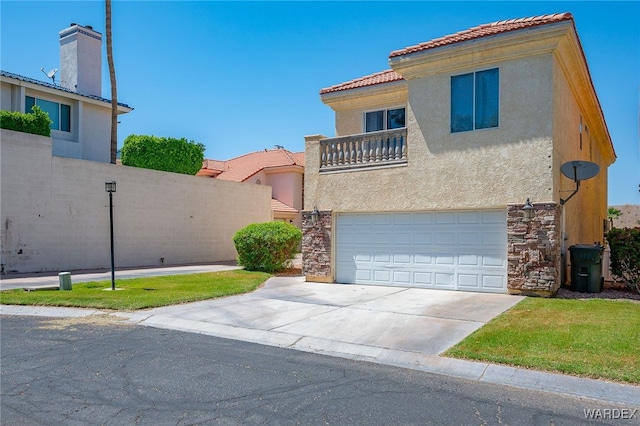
x,y
533,249
316,247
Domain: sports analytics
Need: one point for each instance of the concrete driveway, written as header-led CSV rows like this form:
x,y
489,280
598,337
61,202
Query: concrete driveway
x,y
289,312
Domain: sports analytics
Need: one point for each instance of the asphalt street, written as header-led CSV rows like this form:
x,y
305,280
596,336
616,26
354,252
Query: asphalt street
x,y
98,370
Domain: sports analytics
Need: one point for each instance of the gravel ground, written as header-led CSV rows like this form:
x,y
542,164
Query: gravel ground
x,y
606,293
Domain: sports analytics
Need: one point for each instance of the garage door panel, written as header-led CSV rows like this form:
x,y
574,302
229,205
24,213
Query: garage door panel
x,y
402,258
445,259
469,217
422,279
497,217
382,276
495,282
422,259
402,238
423,218
444,218
469,260
444,279
423,238
495,261
468,238
402,277
448,250
382,258
468,281
495,239
446,238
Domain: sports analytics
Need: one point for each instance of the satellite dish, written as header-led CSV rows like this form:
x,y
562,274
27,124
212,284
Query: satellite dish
x,y
51,74
579,170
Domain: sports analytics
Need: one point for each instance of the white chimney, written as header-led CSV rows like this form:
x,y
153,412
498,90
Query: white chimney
x,y
81,60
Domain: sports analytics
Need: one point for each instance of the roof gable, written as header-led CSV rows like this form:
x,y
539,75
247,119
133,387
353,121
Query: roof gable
x,y
241,168
387,76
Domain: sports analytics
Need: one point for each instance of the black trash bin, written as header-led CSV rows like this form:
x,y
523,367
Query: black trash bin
x,y
586,268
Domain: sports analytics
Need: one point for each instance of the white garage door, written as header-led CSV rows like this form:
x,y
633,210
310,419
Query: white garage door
x,y
455,250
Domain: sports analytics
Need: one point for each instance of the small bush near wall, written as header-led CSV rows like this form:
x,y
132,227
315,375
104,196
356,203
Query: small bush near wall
x,y
625,255
267,246
36,122
166,154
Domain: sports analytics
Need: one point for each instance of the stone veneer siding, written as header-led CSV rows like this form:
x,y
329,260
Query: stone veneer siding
x,y
316,247
534,250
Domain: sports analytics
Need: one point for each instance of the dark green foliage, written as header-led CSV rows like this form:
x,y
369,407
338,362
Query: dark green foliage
x,y
166,154
625,255
37,122
267,247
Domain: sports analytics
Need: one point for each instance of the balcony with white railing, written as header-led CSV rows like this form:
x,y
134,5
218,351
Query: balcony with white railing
x,y
385,148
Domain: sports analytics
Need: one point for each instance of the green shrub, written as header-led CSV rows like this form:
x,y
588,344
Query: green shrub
x,y
37,122
166,154
267,247
625,255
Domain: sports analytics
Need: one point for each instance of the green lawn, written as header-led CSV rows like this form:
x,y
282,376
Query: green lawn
x,y
141,293
592,338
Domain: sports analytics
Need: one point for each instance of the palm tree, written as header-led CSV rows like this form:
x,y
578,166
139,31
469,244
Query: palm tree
x,y
613,213
114,90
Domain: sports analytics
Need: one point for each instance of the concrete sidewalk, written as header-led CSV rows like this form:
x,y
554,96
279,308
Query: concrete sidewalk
x,y
404,327
45,279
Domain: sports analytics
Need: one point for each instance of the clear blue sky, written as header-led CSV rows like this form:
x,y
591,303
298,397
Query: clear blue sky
x,y
240,77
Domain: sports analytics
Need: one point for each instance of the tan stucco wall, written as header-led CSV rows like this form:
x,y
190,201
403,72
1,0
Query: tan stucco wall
x,y
55,216
583,213
477,169
350,109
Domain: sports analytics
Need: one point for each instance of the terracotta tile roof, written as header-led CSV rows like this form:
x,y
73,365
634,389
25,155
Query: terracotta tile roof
x,y
387,76
241,168
279,206
485,30
470,34
215,165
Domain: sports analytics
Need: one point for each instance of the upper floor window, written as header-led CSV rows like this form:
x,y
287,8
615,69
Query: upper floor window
x,y
474,100
384,120
60,114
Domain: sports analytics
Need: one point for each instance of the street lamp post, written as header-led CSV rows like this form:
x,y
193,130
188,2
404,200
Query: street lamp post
x,y
110,187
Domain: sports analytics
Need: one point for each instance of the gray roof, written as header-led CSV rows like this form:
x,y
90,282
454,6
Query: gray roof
x,y
54,86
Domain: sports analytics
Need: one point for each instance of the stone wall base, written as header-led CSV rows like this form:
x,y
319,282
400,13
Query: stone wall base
x,y
533,250
316,246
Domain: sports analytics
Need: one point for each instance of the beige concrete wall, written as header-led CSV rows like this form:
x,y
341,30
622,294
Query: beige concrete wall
x,y
55,216
476,169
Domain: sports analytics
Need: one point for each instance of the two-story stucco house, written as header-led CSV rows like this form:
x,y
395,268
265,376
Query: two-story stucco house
x,y
433,161
279,168
81,118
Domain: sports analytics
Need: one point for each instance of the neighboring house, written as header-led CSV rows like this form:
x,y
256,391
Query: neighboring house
x,y
81,117
425,182
279,168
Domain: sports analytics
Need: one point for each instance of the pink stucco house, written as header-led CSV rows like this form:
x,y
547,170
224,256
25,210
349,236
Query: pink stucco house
x,y
279,168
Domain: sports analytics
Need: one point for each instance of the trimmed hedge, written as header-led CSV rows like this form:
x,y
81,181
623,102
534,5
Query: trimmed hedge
x,y
267,247
37,122
625,255
166,154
